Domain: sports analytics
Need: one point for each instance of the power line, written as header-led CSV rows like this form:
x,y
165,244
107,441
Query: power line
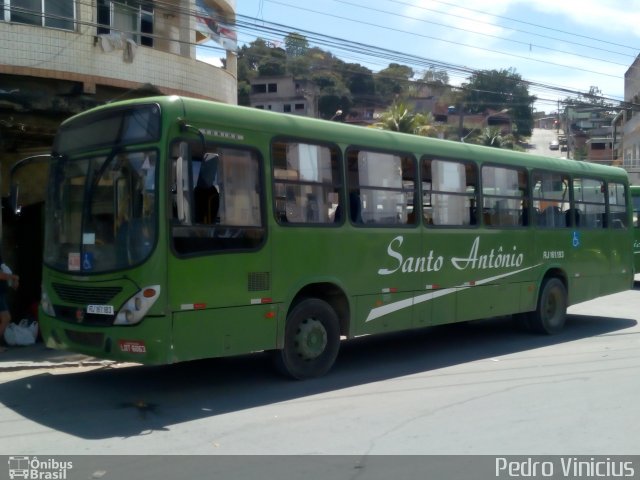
x,y
520,42
345,45
248,26
362,22
521,21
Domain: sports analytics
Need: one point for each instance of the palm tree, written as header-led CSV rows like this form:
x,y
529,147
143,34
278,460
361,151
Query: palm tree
x,y
493,137
400,118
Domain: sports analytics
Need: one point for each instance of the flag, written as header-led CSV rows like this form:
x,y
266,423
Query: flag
x,y
209,25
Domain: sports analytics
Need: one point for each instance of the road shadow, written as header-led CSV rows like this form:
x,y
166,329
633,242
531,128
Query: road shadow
x,y
124,402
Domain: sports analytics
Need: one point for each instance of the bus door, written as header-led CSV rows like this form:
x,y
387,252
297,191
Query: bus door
x,y
219,270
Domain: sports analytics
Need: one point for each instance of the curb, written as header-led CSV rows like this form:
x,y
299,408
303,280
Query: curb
x,y
29,365
38,356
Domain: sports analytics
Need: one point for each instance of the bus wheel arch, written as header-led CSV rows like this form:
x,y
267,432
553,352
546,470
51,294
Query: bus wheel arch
x,y
333,295
317,318
551,306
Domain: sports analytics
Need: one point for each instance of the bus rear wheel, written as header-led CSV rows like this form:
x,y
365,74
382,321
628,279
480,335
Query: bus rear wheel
x,y
551,312
311,340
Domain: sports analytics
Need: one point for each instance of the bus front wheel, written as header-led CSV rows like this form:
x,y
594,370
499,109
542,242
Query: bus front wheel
x,y
311,340
551,311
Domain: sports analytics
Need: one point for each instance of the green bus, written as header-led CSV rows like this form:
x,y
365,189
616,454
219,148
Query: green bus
x,y
181,229
635,200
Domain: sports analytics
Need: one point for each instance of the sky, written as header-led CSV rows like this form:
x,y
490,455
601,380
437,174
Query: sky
x,y
570,45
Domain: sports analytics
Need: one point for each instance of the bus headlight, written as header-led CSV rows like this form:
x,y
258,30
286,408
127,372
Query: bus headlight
x,y
46,304
137,306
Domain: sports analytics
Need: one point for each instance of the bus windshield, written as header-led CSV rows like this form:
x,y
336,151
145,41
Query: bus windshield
x,y
101,211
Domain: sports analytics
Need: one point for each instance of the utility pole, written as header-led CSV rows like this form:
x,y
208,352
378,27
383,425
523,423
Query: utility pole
x,y
461,121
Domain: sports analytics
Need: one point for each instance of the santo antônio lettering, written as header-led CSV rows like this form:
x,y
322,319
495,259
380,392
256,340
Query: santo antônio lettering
x,y
432,262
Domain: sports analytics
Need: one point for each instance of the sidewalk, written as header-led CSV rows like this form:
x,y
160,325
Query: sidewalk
x,y
38,356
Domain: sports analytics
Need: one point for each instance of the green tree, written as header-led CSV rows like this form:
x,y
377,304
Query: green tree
x,y
500,90
275,64
251,56
400,118
580,153
436,77
296,45
359,80
333,94
594,97
392,82
244,92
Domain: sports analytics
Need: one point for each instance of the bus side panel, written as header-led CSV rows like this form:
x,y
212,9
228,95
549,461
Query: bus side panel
x,y
635,199
621,258
528,294
358,257
399,317
441,310
223,332
491,300
596,261
484,273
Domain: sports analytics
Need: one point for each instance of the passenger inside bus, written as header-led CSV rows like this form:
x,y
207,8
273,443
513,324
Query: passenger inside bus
x,y
576,217
205,193
355,207
552,217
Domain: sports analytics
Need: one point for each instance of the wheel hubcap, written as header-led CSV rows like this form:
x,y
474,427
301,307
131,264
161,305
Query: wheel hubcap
x,y
552,309
311,339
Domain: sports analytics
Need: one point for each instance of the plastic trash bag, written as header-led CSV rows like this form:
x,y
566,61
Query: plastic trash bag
x,y
5,268
23,333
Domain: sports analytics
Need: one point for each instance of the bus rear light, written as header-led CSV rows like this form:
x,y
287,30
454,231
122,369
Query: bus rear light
x,y
134,309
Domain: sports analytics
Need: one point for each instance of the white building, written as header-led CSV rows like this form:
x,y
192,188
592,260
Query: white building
x,y
60,57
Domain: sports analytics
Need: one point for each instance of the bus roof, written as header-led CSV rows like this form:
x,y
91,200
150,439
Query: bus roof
x,y
247,118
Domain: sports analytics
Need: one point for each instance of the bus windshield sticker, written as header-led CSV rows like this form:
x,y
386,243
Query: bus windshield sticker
x,y
87,261
88,238
73,261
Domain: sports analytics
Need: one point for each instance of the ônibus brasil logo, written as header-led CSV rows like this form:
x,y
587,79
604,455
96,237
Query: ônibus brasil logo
x,y
34,469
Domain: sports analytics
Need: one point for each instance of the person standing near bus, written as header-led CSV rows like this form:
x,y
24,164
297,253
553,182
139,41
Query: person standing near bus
x,y
7,279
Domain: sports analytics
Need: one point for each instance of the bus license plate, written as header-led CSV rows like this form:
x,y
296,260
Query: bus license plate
x,y
100,309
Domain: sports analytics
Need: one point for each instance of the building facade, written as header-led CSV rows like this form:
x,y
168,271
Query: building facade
x,y
284,94
631,122
61,57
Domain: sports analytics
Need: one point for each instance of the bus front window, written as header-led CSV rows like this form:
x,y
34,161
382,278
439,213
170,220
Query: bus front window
x,y
101,212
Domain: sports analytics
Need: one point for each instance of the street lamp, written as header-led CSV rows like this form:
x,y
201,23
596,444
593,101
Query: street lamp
x,y
336,115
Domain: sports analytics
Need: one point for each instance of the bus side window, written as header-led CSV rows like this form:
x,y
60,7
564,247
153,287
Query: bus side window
x,y
552,217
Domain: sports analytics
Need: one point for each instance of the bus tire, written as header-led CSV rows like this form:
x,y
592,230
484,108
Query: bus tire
x,y
551,312
311,340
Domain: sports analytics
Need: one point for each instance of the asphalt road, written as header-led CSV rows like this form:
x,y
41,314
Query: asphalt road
x,y
481,388
539,143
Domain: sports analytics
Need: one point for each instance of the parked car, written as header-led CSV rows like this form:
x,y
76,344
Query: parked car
x,y
554,145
